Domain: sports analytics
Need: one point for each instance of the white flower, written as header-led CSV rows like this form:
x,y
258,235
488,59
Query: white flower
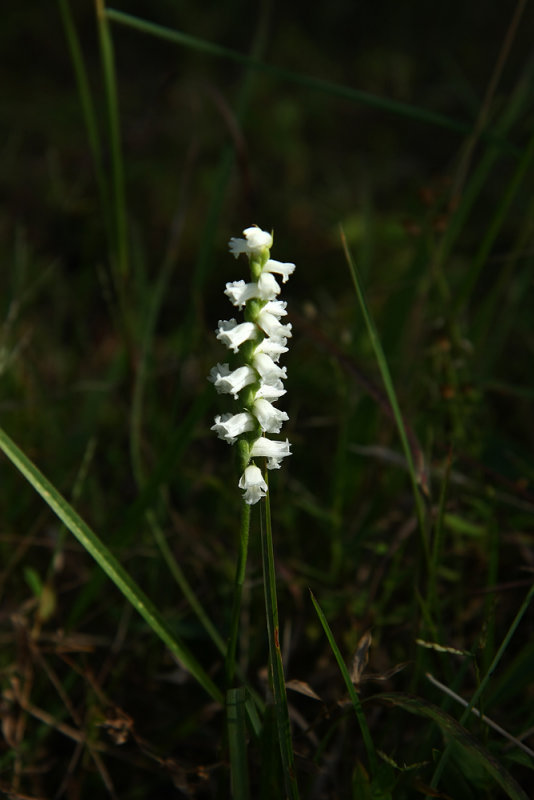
x,y
253,243
273,451
280,268
228,382
271,391
271,348
268,370
230,426
276,307
269,417
253,483
233,334
271,325
240,292
268,286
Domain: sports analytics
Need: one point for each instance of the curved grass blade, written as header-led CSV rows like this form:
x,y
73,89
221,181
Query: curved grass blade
x,y
366,735
107,561
451,728
392,396
333,89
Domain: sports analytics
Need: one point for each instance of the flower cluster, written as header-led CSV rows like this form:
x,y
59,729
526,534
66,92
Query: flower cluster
x,y
260,340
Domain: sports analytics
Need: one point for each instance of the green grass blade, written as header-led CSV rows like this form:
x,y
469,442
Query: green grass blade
x,y
454,731
117,166
88,108
238,592
392,396
316,84
484,682
494,227
107,561
237,742
366,735
275,656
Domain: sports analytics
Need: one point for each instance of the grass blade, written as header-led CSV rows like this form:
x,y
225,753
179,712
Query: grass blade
x,y
366,735
392,396
275,656
119,195
107,561
237,742
454,731
333,89
88,108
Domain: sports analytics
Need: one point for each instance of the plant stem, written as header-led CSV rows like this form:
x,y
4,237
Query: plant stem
x,y
275,655
238,591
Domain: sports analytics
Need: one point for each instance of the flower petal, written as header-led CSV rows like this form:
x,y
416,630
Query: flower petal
x,y
253,483
270,391
269,417
271,325
281,268
268,370
270,449
253,243
271,347
233,334
230,426
228,382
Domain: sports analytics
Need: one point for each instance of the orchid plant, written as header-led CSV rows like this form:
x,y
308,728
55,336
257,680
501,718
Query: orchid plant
x,y
259,340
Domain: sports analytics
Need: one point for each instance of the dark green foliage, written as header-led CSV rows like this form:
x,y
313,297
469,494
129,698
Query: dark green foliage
x,y
407,506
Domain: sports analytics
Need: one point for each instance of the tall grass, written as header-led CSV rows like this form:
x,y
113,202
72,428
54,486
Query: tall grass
x,y
407,507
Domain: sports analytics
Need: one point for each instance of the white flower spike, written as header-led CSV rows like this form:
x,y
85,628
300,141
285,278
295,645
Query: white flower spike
x,y
260,341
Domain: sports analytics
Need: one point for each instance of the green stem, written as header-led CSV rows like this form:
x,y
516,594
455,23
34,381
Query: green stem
x,y
275,655
238,592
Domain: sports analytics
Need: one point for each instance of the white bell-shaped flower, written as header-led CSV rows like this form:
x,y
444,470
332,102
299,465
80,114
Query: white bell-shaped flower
x,y
270,391
227,381
253,243
268,370
253,483
273,451
239,292
271,325
233,334
271,348
230,426
283,269
269,417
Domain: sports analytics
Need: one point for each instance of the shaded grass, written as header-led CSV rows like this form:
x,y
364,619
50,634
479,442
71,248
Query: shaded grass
x,y
117,415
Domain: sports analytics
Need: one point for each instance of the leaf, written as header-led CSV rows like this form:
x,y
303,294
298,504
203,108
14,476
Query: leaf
x,y
450,727
107,561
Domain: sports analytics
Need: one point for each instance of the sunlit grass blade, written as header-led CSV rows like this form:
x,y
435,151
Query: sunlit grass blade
x,y
392,396
237,742
275,655
332,89
366,735
107,561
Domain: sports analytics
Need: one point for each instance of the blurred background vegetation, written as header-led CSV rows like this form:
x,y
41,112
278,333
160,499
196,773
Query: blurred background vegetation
x,y
107,339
